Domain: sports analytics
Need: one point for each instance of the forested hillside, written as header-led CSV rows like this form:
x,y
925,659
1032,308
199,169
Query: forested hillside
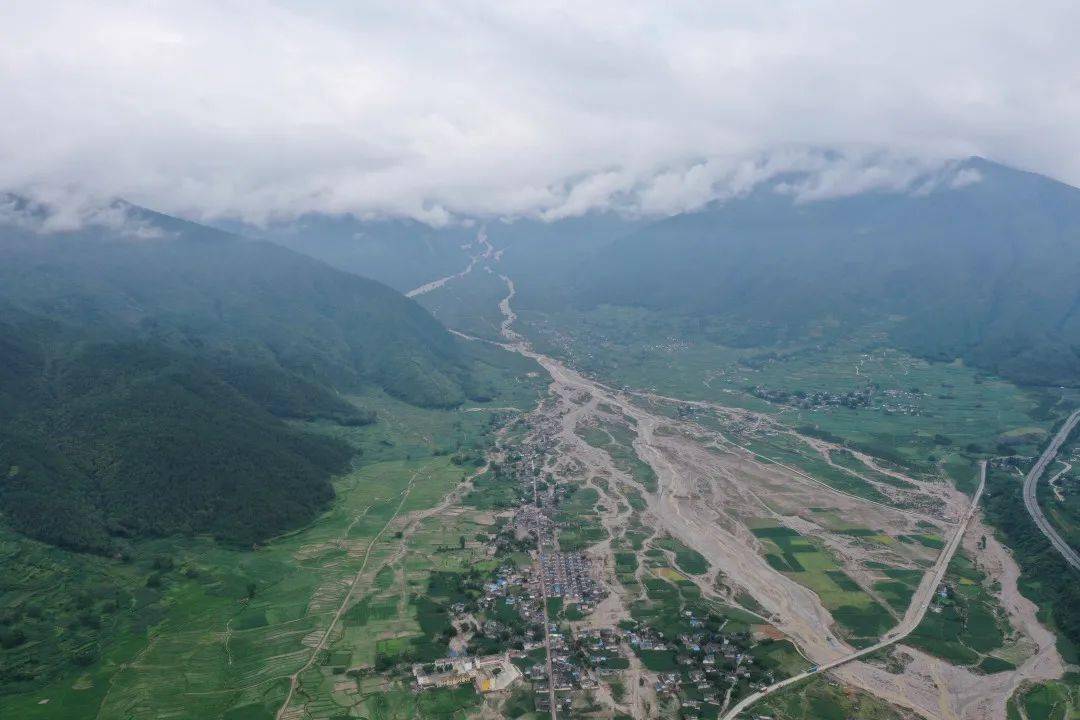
x,y
189,286
147,368
983,265
102,441
402,253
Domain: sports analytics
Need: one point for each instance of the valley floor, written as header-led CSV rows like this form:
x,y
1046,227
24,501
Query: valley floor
x,y
577,548
714,493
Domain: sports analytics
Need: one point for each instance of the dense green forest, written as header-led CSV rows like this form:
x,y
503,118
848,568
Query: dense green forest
x,y
101,442
202,290
147,379
402,253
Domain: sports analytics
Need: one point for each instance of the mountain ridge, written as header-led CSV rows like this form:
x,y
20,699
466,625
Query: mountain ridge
x,y
148,366
984,271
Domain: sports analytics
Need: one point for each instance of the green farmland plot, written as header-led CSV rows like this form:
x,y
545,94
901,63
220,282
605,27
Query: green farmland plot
x,y
192,628
965,624
254,662
819,699
858,614
687,559
920,411
1058,700
898,587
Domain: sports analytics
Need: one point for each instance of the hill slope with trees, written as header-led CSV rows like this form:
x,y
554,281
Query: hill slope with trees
x,y
148,367
982,266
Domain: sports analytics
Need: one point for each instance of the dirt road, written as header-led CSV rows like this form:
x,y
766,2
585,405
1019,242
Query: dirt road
x,y
294,679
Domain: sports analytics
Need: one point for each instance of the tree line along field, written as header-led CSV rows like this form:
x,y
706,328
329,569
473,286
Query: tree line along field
x,y
1045,577
188,625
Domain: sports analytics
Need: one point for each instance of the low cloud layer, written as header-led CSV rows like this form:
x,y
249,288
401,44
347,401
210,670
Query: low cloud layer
x,y
271,109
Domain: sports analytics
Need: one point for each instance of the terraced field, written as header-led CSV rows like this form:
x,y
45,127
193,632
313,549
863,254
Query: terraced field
x,y
205,630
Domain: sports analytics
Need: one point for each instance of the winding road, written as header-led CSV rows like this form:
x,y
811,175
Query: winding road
x,y
920,603
1031,482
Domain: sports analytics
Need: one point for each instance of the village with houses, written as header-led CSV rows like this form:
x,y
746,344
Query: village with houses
x,y
542,637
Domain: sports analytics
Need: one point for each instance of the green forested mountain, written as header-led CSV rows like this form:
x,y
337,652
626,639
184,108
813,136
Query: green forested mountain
x,y
110,440
987,269
147,369
542,256
402,253
201,289
978,262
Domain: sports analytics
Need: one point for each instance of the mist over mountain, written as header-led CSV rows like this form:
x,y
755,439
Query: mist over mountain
x,y
979,264
983,267
401,253
972,260
514,359
190,286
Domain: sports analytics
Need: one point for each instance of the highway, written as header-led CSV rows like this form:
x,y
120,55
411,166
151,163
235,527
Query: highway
x,y
1031,482
916,611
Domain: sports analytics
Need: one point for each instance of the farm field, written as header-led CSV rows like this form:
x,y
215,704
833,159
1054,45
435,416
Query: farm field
x,y
191,627
919,413
820,699
1048,701
861,618
234,646
965,625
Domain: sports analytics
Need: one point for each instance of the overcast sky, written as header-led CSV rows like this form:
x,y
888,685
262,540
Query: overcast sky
x,y
259,109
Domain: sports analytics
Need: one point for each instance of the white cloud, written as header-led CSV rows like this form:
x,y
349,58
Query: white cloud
x,y
965,177
434,110
53,210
